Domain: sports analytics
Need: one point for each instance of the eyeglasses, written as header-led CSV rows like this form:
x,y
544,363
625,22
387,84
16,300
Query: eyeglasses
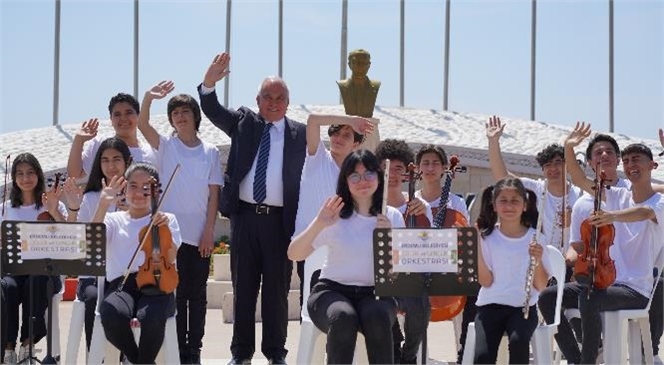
x,y
369,176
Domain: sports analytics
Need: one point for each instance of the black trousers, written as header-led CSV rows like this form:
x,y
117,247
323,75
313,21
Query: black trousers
x,y
3,318
191,298
258,254
492,321
87,293
343,310
17,292
468,315
120,307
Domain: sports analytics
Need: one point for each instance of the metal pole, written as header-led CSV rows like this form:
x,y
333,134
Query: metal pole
x,y
533,54
611,66
136,49
344,42
56,65
446,65
401,55
227,84
281,37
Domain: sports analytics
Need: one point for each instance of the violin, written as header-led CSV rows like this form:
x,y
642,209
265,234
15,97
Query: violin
x,y
419,220
45,215
447,307
156,275
594,266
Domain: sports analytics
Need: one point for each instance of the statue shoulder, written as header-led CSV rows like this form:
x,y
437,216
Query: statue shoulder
x,y
375,84
343,83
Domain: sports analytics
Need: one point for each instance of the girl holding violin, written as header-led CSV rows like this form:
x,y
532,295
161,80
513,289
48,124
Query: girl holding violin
x,y
28,201
193,200
343,301
417,310
636,215
126,298
507,224
112,159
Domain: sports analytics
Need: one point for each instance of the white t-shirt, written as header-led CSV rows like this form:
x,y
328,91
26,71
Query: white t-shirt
x,y
317,183
454,202
350,243
27,213
187,198
122,239
508,260
142,153
89,206
637,244
551,221
427,207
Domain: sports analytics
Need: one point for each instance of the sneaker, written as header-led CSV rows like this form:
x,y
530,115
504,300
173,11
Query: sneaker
x,y
10,357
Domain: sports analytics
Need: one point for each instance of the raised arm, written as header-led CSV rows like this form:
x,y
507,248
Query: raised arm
x,y
110,195
315,121
494,129
223,118
157,92
302,245
581,131
87,132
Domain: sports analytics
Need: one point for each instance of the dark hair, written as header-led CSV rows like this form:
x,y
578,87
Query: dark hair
x,y
123,98
639,148
143,166
188,101
96,174
395,149
549,153
429,148
601,138
336,128
487,219
370,162
15,195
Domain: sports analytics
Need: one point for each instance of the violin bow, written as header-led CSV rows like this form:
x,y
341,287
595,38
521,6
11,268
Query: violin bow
x,y
383,209
140,246
4,194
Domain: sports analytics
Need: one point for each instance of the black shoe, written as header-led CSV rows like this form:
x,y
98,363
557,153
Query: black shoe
x,y
194,359
277,361
407,361
184,359
236,361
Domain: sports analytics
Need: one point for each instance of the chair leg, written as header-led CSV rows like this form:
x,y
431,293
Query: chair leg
x,y
75,332
542,346
644,326
615,339
469,347
503,351
97,344
311,348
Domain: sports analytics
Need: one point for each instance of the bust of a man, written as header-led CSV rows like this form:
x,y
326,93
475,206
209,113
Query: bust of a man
x,y
358,92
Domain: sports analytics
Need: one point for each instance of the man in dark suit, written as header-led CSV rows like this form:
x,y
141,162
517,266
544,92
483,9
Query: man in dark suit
x,y
260,196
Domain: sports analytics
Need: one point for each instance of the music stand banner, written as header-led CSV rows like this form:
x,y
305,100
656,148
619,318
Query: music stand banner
x,y
413,261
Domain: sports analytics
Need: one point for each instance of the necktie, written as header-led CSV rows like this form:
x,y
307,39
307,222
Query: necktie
x,y
260,190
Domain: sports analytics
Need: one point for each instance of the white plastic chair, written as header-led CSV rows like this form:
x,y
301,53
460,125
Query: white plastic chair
x,y
311,347
55,336
542,339
76,327
101,350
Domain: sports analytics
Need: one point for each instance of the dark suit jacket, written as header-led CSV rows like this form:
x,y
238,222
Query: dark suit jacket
x,y
245,129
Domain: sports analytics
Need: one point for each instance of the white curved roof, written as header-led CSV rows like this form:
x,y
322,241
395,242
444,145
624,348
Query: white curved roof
x,y
458,133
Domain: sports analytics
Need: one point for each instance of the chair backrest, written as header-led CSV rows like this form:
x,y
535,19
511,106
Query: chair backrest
x,y
101,282
657,273
558,268
312,263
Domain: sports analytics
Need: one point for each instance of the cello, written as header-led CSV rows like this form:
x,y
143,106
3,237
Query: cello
x,y
420,220
594,266
447,307
157,275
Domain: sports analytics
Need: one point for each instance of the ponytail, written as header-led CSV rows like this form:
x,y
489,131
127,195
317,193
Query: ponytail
x,y
487,219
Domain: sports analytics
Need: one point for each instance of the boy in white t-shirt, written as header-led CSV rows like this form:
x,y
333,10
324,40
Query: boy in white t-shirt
x,y
193,199
416,309
319,177
639,228
123,109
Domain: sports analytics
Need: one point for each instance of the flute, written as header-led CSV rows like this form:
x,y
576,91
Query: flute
x,y
530,274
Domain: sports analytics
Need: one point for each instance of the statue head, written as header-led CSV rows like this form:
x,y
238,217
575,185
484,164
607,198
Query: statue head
x,y
359,62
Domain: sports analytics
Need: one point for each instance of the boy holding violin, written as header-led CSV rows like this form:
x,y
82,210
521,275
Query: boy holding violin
x,y
417,309
638,217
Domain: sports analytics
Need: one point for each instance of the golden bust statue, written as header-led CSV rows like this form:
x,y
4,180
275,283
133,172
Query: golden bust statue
x,y
358,92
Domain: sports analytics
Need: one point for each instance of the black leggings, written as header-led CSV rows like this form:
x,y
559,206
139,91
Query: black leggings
x,y
494,320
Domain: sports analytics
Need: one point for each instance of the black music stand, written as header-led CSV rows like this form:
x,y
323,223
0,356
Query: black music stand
x,y
12,263
413,284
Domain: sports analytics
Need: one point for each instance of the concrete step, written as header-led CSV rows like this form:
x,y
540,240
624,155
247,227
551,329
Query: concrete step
x,y
293,306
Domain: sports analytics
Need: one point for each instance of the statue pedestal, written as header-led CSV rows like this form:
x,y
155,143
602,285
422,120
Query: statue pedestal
x,y
372,140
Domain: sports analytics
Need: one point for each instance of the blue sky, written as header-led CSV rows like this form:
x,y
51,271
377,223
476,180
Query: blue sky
x,y
489,59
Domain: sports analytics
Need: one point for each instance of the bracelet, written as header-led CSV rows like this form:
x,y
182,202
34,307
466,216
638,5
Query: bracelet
x,y
73,210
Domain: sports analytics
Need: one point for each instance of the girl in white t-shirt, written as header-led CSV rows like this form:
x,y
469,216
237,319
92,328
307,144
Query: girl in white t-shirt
x,y
507,224
112,159
123,228
343,301
28,201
